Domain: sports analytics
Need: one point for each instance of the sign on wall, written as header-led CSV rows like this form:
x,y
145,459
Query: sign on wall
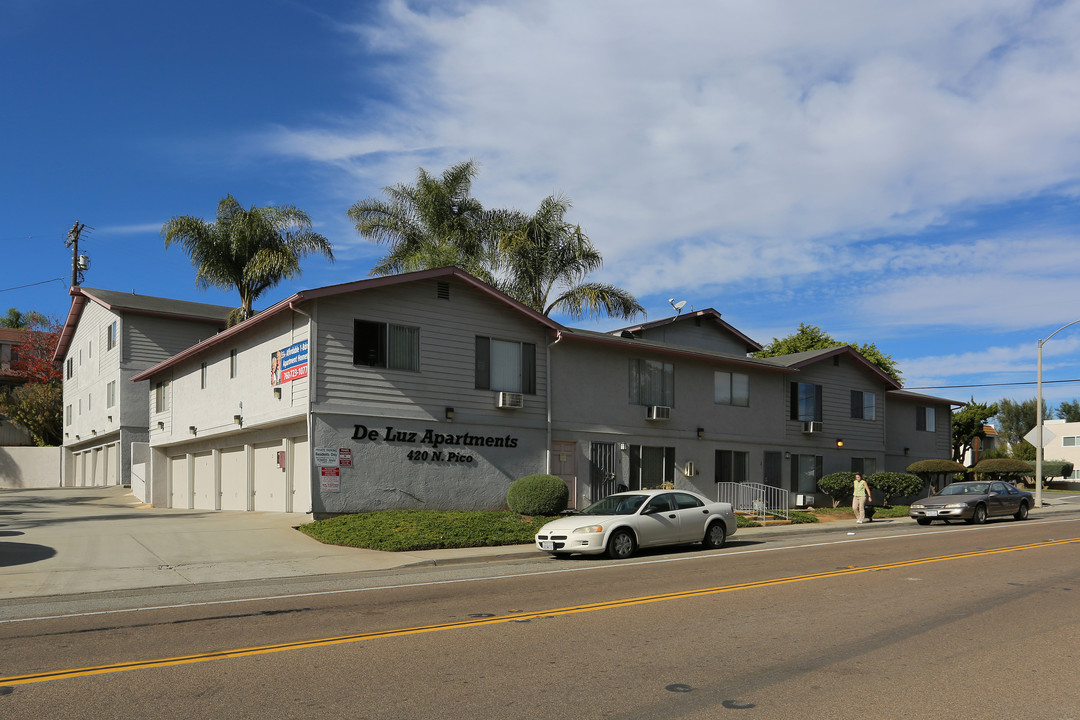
x,y
289,363
330,479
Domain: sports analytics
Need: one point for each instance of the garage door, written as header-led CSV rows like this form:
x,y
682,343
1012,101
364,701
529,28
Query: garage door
x,y
205,484
301,469
179,492
270,480
234,487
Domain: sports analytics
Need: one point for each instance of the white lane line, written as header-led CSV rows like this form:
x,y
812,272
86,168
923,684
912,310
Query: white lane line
x,y
537,573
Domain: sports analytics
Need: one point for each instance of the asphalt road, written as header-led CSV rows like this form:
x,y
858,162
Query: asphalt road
x,y
901,622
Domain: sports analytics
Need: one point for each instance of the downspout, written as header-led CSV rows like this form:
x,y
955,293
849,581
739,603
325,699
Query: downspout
x,y
547,392
311,378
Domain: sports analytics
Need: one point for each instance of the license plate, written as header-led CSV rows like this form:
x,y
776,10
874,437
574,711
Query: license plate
x,y
931,513
547,545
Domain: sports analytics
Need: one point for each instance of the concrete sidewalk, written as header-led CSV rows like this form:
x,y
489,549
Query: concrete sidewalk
x,y
67,541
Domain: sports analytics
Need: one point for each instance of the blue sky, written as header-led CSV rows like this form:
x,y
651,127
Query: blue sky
x,y
899,173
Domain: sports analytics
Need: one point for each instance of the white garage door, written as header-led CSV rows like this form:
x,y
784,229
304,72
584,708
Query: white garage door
x,y
234,490
180,493
205,484
270,479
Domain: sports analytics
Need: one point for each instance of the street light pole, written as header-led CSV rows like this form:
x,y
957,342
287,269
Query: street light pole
x,y
1039,417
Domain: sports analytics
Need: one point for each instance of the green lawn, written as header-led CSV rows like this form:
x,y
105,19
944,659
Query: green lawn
x,y
403,530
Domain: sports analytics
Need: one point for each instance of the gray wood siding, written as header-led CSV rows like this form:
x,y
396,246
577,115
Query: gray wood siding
x,y
148,340
448,329
837,382
706,336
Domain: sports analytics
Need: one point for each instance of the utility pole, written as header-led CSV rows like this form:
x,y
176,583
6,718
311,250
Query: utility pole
x,y
79,263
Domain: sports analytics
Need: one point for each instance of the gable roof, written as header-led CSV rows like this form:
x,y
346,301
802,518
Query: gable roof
x,y
919,396
121,302
291,302
698,315
810,357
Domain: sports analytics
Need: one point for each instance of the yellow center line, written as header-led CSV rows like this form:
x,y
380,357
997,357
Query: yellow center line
x,y
516,617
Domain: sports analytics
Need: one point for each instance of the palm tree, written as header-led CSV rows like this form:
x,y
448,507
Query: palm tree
x,y
434,223
251,250
542,254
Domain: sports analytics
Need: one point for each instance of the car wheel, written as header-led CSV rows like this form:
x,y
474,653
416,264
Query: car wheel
x,y
620,545
1022,512
923,521
715,535
979,516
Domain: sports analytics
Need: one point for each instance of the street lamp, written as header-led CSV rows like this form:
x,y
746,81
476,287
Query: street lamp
x,y
1039,418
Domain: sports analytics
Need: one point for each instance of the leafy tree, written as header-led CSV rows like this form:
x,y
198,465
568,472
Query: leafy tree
x,y
1003,468
17,320
434,223
839,486
812,337
1069,410
542,254
1016,419
967,424
540,259
37,405
937,472
251,250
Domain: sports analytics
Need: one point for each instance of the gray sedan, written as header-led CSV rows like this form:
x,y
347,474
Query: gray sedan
x,y
972,502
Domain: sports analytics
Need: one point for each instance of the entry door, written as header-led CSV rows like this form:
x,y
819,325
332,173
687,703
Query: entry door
x,y
564,467
774,469
602,467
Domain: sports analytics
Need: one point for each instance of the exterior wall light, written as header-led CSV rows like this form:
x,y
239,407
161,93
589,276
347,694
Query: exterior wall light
x,y
160,425
450,414
191,429
700,433
238,419
839,442
277,393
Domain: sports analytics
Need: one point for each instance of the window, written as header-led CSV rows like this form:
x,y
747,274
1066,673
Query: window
x,y
652,382
110,394
863,405
865,466
509,366
161,396
89,402
232,363
806,469
70,367
731,388
925,419
110,336
202,376
805,402
67,415
651,467
1068,441
395,347
731,466
89,349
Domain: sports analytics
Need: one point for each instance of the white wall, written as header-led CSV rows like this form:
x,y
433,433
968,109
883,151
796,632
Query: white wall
x,y
29,467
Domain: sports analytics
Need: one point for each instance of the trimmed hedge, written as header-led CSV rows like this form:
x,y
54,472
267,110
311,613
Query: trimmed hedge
x,y
893,484
838,486
538,494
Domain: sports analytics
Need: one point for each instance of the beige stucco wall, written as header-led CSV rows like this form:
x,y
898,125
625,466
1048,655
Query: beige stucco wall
x,y
29,467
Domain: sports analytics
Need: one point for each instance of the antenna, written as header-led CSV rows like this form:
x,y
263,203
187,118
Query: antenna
x,y
677,305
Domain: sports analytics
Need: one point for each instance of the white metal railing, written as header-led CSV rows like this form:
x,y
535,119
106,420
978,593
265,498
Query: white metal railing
x,y
755,498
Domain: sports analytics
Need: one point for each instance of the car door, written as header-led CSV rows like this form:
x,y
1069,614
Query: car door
x,y
692,516
1001,501
658,523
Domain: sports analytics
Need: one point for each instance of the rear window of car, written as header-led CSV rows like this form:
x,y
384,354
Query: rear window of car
x,y
683,501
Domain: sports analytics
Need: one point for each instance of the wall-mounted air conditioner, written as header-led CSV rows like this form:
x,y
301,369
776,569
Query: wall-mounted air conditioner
x,y
804,500
510,400
812,427
658,412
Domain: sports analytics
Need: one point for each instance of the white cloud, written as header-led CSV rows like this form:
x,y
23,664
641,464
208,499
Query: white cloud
x,y
732,145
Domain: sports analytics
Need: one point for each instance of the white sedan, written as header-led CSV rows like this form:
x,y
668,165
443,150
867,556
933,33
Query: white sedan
x,y
621,523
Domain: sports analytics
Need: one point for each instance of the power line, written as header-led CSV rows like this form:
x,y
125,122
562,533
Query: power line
x,y
42,282
947,387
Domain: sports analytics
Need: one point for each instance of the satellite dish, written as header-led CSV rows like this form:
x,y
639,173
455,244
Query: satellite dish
x,y
677,305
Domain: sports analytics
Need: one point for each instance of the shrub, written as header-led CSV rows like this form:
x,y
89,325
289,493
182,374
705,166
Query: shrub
x,y
839,486
538,495
892,484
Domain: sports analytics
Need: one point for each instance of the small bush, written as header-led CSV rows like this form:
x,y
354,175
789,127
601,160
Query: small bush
x,y
893,484
538,495
839,486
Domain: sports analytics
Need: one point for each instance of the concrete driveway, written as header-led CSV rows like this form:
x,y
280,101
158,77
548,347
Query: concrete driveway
x,y
78,540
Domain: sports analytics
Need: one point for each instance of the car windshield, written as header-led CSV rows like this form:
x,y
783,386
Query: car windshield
x,y
965,489
615,505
